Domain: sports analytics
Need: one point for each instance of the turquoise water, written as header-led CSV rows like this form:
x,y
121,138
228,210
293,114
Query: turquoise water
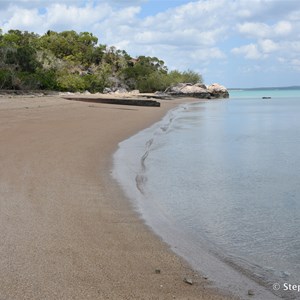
x,y
221,178
259,93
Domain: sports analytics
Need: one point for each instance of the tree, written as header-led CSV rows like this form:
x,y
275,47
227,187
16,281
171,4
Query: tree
x,y
71,82
142,72
17,56
17,38
70,46
74,61
191,77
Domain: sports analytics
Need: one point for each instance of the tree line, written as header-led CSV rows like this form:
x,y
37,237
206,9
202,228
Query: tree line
x,y
71,61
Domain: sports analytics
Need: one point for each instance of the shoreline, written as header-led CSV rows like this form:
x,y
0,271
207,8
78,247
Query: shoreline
x,y
132,176
67,230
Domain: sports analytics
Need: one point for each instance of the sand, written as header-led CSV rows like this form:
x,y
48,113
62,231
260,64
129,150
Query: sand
x,y
66,229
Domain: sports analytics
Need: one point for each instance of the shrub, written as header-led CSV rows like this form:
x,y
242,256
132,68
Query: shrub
x,y
189,76
71,83
48,80
5,80
94,83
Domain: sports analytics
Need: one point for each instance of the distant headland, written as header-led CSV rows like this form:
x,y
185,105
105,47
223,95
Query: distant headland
x,y
75,62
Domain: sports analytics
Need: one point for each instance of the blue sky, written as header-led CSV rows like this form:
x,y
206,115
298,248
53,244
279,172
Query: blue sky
x,y
238,43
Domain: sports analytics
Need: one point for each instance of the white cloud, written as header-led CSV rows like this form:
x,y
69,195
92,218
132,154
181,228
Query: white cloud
x,y
249,51
55,16
261,50
268,46
58,15
207,54
257,30
263,30
282,28
191,36
251,69
29,19
194,21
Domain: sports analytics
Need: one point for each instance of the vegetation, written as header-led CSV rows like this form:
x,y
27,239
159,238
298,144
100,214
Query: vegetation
x,y
71,61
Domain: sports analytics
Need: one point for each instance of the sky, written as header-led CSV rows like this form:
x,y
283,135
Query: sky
x,y
237,43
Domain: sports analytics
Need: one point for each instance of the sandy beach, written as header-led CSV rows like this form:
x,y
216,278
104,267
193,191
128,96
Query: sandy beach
x,y
66,229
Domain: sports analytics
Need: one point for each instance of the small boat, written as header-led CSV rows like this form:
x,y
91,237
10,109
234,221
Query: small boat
x,y
266,97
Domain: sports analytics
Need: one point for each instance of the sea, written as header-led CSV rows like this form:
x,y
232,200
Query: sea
x,y
219,181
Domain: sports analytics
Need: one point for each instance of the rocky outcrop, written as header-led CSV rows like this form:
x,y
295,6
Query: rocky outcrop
x,y
119,90
198,90
218,91
187,89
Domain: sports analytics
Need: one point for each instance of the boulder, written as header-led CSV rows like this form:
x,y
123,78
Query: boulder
x,y
218,91
107,90
189,90
198,90
120,91
134,92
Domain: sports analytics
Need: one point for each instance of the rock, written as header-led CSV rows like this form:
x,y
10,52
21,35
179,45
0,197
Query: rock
x,y
107,90
198,90
201,85
188,90
121,91
251,293
89,71
134,92
161,95
218,91
157,271
188,281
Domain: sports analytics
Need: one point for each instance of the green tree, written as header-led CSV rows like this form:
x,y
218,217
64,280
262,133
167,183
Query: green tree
x,y
18,38
191,77
18,59
70,45
143,71
71,61
71,82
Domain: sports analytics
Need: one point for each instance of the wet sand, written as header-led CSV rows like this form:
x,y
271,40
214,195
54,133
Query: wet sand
x,y
66,229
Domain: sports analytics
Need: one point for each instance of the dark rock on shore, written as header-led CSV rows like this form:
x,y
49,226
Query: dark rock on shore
x,y
135,102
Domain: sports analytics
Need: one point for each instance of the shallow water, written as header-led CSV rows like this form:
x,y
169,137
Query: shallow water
x,y
221,178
